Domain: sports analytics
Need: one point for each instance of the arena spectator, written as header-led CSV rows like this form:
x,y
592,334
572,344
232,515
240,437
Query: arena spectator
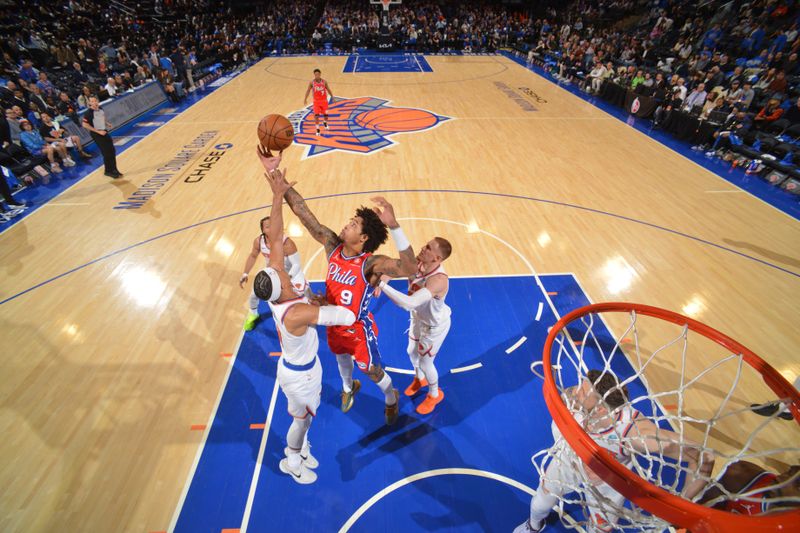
x,y
52,132
111,87
768,114
33,142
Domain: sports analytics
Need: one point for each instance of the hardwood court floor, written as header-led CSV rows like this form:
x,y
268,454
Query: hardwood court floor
x,y
107,367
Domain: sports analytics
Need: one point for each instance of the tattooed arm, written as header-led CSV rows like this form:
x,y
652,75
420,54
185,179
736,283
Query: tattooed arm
x,y
323,234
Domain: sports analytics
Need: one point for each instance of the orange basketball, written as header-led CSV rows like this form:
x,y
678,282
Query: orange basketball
x,y
396,120
275,132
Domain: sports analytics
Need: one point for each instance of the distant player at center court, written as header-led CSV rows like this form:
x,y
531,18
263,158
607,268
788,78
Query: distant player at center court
x,y
321,92
353,273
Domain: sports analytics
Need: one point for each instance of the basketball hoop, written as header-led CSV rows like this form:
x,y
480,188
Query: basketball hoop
x,y
385,3
580,340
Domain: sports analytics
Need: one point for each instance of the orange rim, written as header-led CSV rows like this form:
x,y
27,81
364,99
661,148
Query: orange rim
x,y
674,509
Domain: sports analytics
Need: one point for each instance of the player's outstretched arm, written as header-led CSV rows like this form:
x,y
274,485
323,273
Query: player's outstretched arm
x,y
277,182
378,265
249,262
293,256
301,316
647,437
328,88
435,287
323,234
305,98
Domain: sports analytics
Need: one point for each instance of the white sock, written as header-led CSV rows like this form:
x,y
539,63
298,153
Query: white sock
x,y
345,363
252,303
541,505
431,374
413,356
385,385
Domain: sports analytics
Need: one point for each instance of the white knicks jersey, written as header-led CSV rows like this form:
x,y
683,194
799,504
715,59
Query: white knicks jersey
x,y
614,438
434,312
299,283
265,251
295,350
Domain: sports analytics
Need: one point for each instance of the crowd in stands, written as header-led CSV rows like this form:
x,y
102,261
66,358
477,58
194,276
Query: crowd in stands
x,y
56,55
723,75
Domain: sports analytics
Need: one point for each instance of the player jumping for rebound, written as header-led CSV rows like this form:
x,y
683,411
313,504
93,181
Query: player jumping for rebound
x,y
603,408
430,318
321,91
299,370
353,273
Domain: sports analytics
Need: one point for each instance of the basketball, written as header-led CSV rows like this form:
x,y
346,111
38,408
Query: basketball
x,y
396,120
275,132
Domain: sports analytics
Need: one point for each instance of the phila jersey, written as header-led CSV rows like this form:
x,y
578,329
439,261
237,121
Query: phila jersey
x,y
346,284
319,91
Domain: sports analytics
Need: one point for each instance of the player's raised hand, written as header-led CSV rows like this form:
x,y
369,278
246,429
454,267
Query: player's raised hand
x,y
269,161
277,182
385,211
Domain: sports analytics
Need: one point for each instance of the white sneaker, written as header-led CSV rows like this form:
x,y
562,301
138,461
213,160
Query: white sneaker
x,y
711,153
304,476
309,460
55,168
68,162
15,211
527,528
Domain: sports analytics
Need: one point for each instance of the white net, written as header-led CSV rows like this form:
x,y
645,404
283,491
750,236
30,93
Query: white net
x,y
687,403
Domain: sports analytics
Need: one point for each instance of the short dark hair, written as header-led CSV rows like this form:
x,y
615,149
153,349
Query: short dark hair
x,y
262,286
444,246
373,228
317,70
261,222
607,386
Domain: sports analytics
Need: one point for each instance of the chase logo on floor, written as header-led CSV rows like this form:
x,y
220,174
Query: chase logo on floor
x,y
361,125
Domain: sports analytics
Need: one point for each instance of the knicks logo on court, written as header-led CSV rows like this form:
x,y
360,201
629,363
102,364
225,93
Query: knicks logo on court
x,y
361,125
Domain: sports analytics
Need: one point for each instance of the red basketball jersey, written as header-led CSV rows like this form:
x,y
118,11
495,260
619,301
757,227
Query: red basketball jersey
x,y
346,284
764,480
320,93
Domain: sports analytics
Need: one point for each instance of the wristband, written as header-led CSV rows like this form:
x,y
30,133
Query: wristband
x,y
400,239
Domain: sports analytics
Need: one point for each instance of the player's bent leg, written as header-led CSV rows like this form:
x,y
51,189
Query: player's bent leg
x,y
391,395
413,356
556,481
252,316
350,386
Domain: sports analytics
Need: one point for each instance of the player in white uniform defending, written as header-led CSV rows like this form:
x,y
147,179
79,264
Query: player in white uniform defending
x,y
430,318
602,408
299,371
261,244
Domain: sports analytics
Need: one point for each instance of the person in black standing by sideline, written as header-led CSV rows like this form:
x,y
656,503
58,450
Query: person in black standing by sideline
x,y
95,121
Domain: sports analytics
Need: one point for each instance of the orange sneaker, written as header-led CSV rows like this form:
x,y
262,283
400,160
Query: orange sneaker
x,y
415,386
427,405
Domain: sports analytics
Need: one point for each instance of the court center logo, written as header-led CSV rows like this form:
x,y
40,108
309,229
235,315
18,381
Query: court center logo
x,y
362,125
